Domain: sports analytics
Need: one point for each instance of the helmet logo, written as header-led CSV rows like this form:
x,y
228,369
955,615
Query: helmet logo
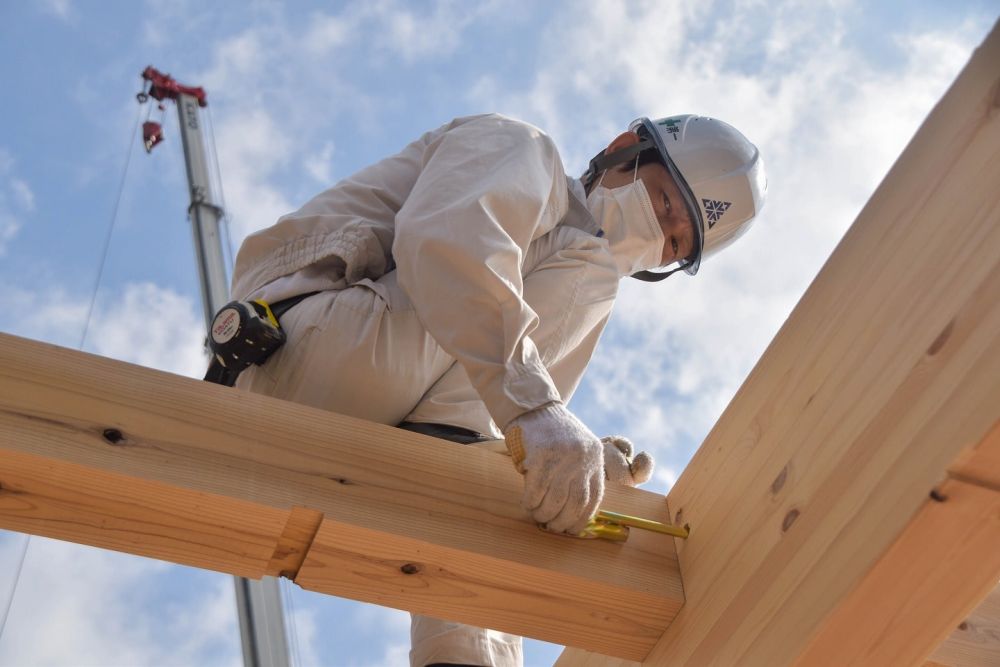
x,y
714,209
670,125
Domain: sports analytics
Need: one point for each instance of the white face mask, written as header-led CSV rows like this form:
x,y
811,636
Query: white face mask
x,y
626,215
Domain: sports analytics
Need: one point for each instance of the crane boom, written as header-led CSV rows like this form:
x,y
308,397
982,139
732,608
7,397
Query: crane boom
x,y
262,626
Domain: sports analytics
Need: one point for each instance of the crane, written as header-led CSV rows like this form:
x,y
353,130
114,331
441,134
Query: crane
x,y
262,626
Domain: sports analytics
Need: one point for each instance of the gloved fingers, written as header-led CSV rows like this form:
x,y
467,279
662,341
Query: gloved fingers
x,y
555,502
617,467
594,496
642,468
560,456
572,511
619,442
536,484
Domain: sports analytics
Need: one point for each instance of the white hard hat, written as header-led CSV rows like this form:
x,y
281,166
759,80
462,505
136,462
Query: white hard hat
x,y
720,175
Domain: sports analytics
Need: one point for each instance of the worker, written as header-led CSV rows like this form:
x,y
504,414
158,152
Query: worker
x,y
462,284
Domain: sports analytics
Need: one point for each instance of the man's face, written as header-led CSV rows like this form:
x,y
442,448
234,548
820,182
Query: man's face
x,y
668,204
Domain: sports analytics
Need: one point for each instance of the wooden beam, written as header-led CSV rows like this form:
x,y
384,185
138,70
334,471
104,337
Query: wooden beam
x,y
976,641
944,563
920,590
942,550
821,468
113,455
980,465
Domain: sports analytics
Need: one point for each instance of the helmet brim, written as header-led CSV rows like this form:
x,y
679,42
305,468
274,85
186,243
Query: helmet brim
x,y
692,264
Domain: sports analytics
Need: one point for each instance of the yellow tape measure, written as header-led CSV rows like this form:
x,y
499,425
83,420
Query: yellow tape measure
x,y
615,527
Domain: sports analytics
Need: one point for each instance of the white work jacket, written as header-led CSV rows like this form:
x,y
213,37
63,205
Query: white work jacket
x,y
456,214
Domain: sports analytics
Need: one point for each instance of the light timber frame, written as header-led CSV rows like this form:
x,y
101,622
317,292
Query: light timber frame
x,y
844,510
105,453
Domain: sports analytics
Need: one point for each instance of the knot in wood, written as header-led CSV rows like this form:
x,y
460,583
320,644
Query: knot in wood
x,y
941,339
789,520
779,481
410,568
113,436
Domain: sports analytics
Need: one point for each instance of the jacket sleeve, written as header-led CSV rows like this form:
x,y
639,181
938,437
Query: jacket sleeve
x,y
340,236
487,189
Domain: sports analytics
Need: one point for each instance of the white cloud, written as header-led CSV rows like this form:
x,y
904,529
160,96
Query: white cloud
x,y
204,623
394,627
326,33
143,324
9,226
250,84
77,605
23,195
165,19
412,32
54,316
61,9
414,35
16,200
319,165
301,626
252,149
280,84
153,327
394,655
666,477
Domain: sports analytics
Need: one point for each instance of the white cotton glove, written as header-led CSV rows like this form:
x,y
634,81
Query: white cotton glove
x,y
563,467
620,466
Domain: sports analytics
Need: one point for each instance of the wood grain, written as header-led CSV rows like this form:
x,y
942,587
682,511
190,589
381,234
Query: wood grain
x,y
976,640
105,453
941,567
885,371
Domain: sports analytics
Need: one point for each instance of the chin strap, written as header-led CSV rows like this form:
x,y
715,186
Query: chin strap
x,y
653,276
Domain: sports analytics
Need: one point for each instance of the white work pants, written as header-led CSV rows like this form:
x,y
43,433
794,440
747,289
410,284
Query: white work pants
x,y
362,352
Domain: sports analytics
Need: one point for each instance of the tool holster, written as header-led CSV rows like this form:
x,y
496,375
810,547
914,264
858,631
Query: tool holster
x,y
245,333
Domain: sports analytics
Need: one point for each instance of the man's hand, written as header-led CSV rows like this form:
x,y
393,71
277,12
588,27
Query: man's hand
x,y
621,467
563,467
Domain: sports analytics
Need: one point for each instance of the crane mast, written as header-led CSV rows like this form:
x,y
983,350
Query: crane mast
x,y
262,626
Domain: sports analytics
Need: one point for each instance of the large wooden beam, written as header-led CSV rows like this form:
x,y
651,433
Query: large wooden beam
x,y
836,489
945,561
109,454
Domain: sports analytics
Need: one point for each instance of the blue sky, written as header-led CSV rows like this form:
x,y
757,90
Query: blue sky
x,y
302,94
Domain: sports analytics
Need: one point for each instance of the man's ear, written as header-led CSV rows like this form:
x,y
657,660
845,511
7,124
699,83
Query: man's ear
x,y
623,140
